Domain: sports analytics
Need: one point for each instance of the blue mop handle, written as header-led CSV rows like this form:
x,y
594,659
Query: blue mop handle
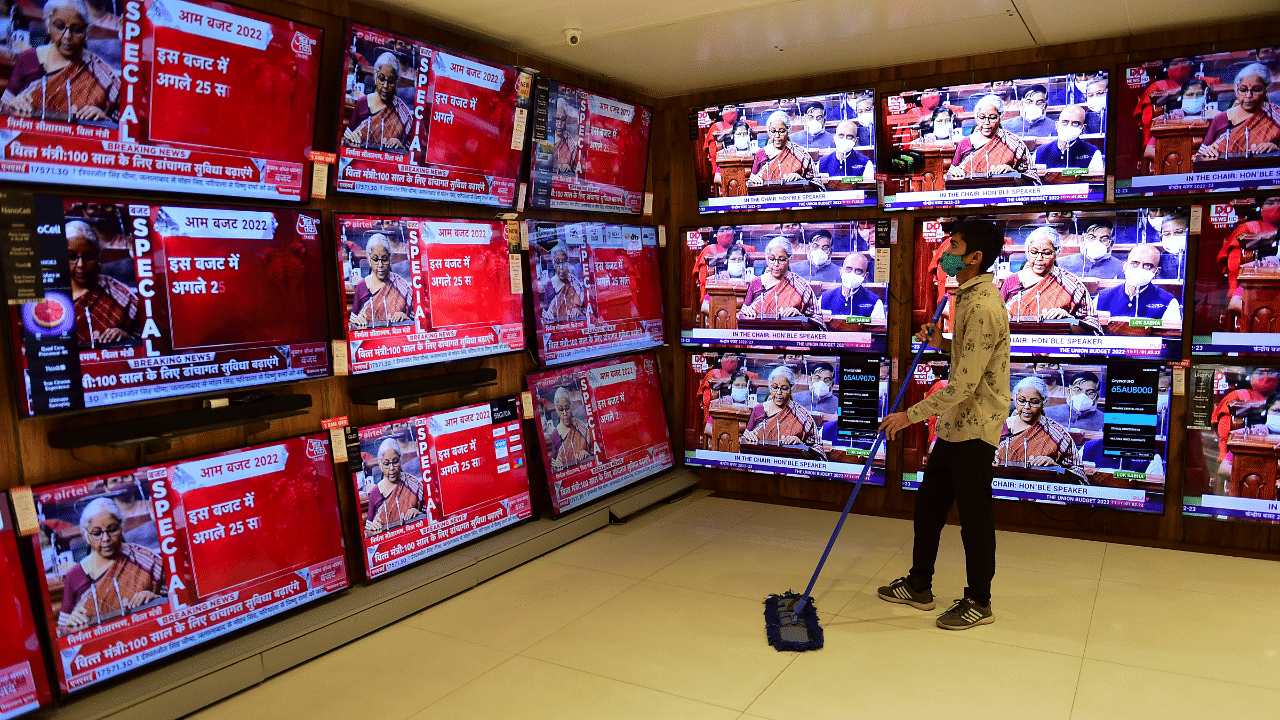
x,y
866,468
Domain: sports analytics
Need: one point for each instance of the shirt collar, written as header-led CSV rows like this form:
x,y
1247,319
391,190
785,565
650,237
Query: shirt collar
x,y
984,277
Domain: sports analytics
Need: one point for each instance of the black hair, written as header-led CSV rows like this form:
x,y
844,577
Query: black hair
x,y
739,374
811,104
821,232
980,235
736,246
1102,223
823,366
1087,376
1036,89
942,108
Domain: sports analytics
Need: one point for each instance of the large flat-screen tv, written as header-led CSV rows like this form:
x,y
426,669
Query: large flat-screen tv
x,y
781,413
424,290
1237,284
602,426
821,287
147,300
1233,430
1075,283
141,564
1086,433
1199,123
1012,142
424,122
590,151
428,483
195,97
596,289
24,681
816,151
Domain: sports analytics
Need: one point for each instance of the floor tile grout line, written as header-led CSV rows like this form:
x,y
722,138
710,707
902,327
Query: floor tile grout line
x,y
966,636
1185,675
462,686
794,656
1097,590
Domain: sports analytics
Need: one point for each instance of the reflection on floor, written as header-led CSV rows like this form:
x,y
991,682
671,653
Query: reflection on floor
x,y
662,618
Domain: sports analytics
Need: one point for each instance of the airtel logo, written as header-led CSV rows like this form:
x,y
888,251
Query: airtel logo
x,y
49,229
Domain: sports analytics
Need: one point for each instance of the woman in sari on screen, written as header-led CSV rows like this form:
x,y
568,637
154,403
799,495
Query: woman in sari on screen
x,y
564,155
1030,439
781,420
989,149
780,292
563,296
114,579
1043,291
62,80
395,499
383,298
569,442
778,160
107,310
381,120
1251,125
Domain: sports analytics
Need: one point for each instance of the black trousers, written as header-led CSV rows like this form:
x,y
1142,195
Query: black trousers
x,y
958,472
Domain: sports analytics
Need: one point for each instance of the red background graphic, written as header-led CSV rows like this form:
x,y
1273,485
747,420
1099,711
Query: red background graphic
x,y
488,300
19,644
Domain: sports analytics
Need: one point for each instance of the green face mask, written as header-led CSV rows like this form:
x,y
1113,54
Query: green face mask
x,y
951,264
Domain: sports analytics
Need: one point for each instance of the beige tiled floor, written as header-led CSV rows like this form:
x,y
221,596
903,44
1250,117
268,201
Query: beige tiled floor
x,y
662,618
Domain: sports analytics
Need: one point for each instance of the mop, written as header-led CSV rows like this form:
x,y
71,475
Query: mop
x,y
791,620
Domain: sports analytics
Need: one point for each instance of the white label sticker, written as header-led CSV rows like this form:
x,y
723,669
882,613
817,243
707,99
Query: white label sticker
x,y
24,509
1197,213
520,197
387,404
1111,188
340,365
526,402
662,236
338,440
1179,381
319,180
524,236
517,130
517,277
648,203
882,264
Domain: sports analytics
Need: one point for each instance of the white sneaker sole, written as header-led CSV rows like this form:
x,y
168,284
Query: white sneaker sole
x,y
912,603
984,621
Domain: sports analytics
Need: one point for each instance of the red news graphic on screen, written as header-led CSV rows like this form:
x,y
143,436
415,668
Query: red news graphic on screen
x,y
429,483
145,301
196,97
424,122
24,683
1237,283
1199,123
424,290
596,289
591,152
602,427
142,564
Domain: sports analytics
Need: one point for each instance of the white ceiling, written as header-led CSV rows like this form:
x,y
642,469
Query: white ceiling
x,y
665,48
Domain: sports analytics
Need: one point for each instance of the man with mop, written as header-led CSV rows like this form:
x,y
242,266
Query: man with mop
x,y
970,411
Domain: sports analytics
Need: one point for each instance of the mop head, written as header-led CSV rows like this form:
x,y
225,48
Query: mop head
x,y
788,631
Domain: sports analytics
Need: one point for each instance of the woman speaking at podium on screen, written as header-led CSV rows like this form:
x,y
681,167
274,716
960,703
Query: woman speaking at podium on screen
x,y
779,292
780,420
1030,439
1251,125
1043,291
62,79
778,161
989,149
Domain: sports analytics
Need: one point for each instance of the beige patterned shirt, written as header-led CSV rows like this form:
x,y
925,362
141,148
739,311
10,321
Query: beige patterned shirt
x,y
975,401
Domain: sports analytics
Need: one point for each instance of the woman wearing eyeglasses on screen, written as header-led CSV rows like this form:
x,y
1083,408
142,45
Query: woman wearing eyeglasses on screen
x,y
1043,291
989,149
1252,124
62,79
1029,439
114,579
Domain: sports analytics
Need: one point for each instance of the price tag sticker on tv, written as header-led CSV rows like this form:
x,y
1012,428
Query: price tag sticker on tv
x,y
517,130
524,236
648,203
340,366
1179,381
1111,188
882,264
1197,215
662,236
517,275
387,404
520,197
24,511
319,180
526,404
338,441
219,402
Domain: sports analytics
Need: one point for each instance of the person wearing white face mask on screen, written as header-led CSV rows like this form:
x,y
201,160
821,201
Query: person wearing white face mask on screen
x,y
1032,120
1195,101
1096,102
944,124
1173,238
818,267
814,136
1139,296
1080,412
851,298
821,395
846,161
1070,151
1095,261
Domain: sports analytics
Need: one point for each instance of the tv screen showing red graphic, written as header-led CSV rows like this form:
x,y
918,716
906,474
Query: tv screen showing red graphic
x,y
141,564
796,153
596,289
24,682
1199,123
424,290
187,96
1011,142
147,301
602,426
590,152
423,122
1237,283
429,483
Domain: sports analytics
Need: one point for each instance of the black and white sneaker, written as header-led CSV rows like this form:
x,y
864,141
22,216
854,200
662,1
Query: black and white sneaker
x,y
964,614
899,591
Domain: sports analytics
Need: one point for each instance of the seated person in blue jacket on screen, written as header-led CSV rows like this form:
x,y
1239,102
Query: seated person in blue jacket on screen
x,y
845,161
851,298
818,266
821,395
1095,261
1069,151
1139,296
814,136
1080,412
1032,120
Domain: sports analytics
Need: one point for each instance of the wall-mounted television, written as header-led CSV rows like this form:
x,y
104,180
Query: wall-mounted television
x,y
1012,142
602,426
790,285
806,415
428,483
424,290
145,300
141,564
590,151
1237,284
1084,433
815,151
24,681
1075,283
1199,123
423,122
199,97
596,289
